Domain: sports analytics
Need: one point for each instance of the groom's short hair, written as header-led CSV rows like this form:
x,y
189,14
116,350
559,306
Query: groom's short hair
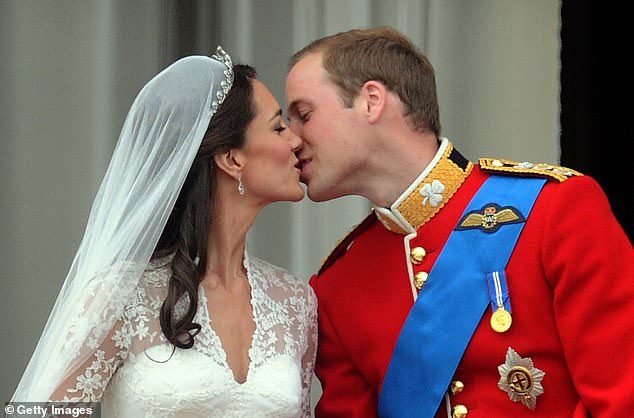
x,y
382,54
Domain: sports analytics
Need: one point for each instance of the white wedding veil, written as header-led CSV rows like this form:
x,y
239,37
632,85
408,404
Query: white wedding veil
x,y
157,145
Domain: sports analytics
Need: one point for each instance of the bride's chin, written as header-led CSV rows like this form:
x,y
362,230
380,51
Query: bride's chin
x,y
300,195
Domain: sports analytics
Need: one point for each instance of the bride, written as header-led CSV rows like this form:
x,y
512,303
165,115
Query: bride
x,y
164,312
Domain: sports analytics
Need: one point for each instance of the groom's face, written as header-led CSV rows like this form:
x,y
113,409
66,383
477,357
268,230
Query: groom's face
x,y
331,151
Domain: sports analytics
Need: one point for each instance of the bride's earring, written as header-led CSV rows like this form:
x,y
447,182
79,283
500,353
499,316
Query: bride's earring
x,y
240,185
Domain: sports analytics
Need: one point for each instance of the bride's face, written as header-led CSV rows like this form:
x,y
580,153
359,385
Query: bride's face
x,y
270,169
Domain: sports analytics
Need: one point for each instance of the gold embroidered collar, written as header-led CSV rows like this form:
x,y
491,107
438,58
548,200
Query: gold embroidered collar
x,y
428,193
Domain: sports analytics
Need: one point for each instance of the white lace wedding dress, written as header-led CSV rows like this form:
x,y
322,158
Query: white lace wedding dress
x,y
136,373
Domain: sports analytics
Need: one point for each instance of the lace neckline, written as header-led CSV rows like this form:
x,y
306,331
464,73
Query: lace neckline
x,y
203,308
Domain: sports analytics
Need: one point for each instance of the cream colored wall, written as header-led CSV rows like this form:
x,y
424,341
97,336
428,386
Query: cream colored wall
x,y
70,69
497,68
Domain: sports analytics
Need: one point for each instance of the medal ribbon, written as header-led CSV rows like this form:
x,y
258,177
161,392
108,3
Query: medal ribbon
x,y
451,304
498,291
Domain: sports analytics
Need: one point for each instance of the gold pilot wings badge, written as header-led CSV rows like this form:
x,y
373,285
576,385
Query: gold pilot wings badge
x,y
490,218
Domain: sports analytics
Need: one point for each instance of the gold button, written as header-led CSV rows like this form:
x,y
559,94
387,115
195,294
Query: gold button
x,y
456,387
417,255
419,279
459,411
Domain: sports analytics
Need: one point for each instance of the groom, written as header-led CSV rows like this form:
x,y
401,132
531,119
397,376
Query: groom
x,y
493,289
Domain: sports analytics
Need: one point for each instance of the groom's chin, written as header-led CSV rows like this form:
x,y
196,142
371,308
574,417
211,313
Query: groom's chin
x,y
311,195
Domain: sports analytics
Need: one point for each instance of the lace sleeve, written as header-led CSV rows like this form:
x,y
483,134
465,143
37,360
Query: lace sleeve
x,y
107,330
308,359
89,381
136,327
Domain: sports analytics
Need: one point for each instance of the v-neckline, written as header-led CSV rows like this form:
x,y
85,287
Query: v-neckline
x,y
217,340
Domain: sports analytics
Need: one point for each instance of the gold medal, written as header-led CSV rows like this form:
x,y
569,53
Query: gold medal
x,y
501,320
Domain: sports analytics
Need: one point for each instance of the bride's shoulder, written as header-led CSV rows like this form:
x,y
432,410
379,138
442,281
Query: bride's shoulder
x,y
278,276
157,273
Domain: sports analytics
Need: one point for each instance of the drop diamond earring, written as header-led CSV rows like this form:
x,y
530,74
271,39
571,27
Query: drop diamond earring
x,y
240,185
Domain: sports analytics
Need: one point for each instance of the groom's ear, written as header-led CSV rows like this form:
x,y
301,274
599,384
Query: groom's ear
x,y
230,162
374,95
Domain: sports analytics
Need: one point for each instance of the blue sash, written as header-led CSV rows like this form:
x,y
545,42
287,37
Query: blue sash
x,y
453,300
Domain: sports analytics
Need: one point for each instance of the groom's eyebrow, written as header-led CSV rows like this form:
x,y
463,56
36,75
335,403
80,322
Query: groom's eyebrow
x,y
293,106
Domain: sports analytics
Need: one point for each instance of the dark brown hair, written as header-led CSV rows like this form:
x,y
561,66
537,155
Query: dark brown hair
x,y
382,54
187,230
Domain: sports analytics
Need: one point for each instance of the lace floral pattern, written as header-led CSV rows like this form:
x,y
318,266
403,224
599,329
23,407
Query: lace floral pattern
x,y
135,367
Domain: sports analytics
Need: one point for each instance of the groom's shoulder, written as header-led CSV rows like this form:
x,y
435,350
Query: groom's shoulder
x,y
344,243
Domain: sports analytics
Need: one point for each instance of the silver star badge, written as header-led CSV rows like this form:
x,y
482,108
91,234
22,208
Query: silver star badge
x,y
520,379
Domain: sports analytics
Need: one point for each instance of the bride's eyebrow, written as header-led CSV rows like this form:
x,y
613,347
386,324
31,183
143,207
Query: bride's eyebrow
x,y
276,115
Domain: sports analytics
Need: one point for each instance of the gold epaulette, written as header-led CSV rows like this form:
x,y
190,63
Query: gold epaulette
x,y
549,171
344,243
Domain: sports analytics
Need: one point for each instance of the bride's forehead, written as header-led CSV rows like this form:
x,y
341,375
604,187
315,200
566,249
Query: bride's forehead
x,y
263,98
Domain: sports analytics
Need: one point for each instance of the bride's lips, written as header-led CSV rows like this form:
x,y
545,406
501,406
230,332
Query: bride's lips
x,y
301,164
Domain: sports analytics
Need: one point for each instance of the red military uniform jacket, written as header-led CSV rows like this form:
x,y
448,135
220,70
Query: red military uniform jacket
x,y
570,281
